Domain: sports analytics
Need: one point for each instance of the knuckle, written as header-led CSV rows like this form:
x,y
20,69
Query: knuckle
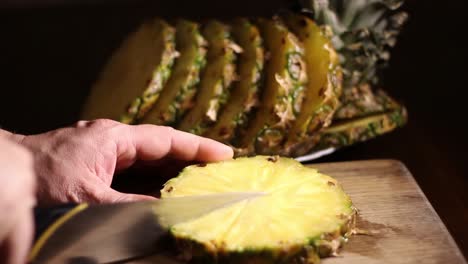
x,y
82,123
105,129
103,122
160,128
166,129
163,131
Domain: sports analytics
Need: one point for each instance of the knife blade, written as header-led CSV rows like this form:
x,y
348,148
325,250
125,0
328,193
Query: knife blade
x,y
116,233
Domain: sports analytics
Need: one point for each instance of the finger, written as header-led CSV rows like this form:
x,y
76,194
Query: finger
x,y
18,243
155,142
109,195
161,164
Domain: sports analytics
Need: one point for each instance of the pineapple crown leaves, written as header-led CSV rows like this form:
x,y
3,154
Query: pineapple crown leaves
x,y
364,31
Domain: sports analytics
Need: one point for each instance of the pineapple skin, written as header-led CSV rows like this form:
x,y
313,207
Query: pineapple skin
x,y
326,245
177,96
362,101
363,34
359,130
195,253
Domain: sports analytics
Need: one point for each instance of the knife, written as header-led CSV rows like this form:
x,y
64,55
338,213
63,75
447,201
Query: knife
x,y
118,233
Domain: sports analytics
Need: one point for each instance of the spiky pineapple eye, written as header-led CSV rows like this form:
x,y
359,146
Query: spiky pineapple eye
x,y
273,158
295,65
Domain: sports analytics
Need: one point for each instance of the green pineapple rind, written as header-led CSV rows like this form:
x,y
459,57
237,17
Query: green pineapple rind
x,y
362,101
314,249
362,129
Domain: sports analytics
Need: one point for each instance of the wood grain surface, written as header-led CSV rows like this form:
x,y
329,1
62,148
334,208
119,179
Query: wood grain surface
x,y
401,224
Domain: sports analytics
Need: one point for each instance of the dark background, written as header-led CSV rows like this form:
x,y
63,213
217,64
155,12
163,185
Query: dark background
x,y
49,57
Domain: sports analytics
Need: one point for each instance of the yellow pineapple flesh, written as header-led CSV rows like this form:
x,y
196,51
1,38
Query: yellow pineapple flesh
x,y
324,81
135,75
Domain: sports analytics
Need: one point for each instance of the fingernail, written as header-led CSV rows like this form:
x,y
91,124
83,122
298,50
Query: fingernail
x,y
228,150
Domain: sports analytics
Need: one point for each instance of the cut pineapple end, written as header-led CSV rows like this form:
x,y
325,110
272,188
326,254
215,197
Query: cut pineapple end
x,y
302,206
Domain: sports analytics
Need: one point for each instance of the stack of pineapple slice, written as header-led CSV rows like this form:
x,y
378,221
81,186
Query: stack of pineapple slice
x,y
287,85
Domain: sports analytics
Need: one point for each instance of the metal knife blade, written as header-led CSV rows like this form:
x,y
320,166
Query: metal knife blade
x,y
118,232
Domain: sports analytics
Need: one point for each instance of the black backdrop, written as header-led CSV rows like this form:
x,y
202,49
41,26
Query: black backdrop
x,y
50,55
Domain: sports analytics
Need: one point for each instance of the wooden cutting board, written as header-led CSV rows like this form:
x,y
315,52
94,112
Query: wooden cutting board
x,y
402,225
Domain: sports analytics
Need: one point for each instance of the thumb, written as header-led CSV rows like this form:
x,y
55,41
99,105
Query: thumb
x,y
113,196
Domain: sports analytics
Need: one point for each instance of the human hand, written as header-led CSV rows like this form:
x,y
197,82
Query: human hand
x,y
77,164
17,199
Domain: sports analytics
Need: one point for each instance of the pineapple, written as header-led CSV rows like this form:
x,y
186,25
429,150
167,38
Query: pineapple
x,y
292,80
283,90
134,77
302,216
361,101
178,94
363,33
245,93
324,85
216,80
346,133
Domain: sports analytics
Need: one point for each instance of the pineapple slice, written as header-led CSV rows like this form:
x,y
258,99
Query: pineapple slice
x,y
178,94
213,90
303,214
324,81
285,78
244,96
131,82
346,133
